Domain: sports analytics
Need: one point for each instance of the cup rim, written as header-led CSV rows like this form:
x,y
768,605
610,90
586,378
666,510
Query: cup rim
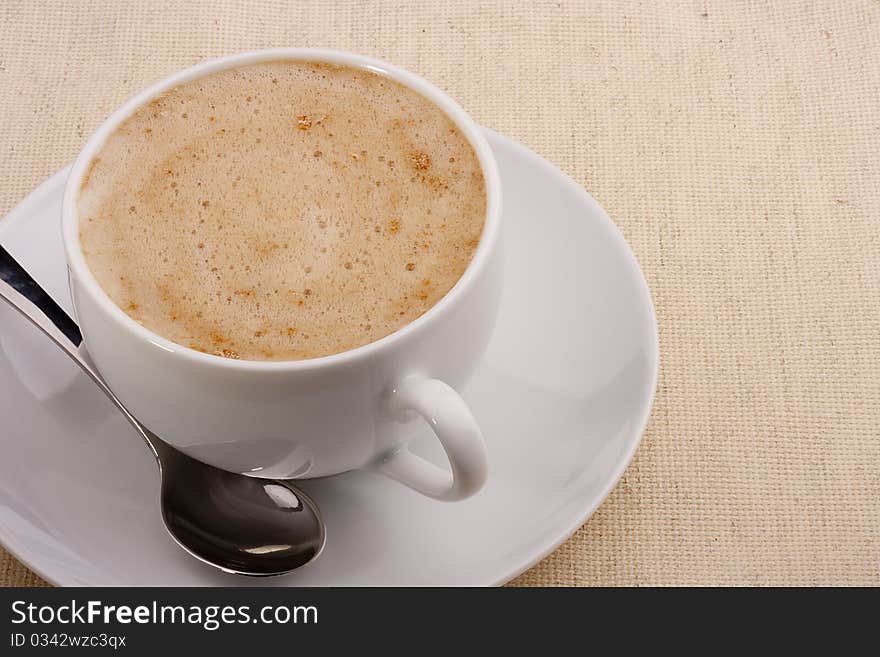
x,y
80,271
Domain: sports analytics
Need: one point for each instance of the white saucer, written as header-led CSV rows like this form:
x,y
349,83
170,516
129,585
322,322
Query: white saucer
x,y
563,396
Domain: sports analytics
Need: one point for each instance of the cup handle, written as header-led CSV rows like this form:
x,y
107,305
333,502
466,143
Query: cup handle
x,y
454,425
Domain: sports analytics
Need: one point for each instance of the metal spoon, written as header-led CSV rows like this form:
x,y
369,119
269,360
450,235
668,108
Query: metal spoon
x,y
239,524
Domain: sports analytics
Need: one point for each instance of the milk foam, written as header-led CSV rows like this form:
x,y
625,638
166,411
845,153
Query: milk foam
x,y
282,211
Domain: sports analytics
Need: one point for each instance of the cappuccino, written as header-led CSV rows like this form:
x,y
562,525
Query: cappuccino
x,y
282,211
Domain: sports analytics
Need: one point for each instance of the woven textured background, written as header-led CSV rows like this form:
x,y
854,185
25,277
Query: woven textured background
x,y
737,146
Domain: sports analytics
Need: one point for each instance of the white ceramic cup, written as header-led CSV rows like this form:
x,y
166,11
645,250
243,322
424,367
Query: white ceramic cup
x,y
316,417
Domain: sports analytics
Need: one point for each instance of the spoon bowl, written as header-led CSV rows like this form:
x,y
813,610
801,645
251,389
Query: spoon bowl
x,y
241,524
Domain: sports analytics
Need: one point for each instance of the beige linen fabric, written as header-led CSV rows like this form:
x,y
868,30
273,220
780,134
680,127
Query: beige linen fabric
x,y
737,146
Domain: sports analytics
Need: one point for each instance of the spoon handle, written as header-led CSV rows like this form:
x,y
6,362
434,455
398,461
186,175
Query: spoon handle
x,y
27,296
24,294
